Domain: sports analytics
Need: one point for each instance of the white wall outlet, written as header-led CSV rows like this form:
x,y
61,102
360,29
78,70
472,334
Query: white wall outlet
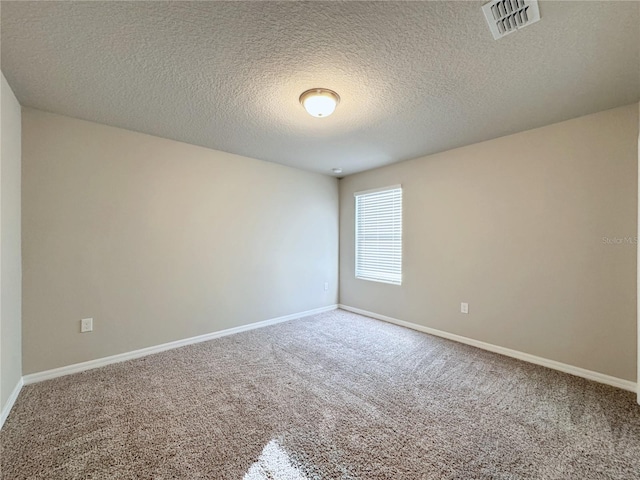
x,y
326,286
86,325
464,307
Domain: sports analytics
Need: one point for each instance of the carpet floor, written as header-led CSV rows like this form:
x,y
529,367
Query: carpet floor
x,y
333,396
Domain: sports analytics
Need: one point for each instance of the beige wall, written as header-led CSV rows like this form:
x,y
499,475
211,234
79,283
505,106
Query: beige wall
x,y
159,240
10,259
516,227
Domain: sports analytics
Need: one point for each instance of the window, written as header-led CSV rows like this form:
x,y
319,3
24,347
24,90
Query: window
x,y
379,235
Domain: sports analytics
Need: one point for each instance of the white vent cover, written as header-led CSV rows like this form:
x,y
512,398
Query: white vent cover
x,y
507,16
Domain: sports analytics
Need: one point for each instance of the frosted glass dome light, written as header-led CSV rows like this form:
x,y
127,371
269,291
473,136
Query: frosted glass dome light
x,y
319,102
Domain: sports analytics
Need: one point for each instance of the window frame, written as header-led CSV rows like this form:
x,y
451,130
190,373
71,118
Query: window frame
x,y
358,267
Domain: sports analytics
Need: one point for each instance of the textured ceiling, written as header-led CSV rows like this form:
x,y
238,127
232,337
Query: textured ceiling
x,y
414,77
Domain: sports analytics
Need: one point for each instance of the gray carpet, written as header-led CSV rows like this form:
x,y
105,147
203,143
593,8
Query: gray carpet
x,y
332,396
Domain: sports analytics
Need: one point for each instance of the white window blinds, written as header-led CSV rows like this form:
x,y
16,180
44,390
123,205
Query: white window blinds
x,y
379,235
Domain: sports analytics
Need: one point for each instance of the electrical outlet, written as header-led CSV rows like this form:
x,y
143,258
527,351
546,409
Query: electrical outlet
x,y
326,286
464,307
86,325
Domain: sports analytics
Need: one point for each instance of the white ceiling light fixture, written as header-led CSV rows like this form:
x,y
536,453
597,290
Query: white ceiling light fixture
x,y
319,102
336,170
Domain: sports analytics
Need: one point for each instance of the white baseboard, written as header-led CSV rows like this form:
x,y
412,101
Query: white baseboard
x,y
562,367
10,401
143,352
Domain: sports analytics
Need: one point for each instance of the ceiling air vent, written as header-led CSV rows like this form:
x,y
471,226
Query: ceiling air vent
x,y
507,16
